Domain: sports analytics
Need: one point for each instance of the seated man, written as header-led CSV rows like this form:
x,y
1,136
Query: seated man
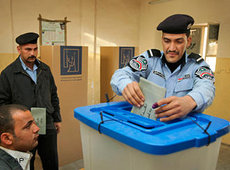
x,y
188,80
18,135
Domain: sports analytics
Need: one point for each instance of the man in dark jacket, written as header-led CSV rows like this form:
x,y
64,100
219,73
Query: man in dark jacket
x,y
18,135
30,82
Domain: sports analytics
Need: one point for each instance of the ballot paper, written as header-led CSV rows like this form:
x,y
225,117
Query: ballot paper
x,y
152,93
39,115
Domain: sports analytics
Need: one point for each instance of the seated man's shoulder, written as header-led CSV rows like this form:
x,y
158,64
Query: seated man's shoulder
x,y
8,162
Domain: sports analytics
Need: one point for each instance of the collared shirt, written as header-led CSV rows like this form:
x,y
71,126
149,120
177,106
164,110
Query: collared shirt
x,y
23,158
32,73
182,81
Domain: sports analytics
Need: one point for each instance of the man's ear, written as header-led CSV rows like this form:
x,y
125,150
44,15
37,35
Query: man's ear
x,y
6,138
189,41
19,49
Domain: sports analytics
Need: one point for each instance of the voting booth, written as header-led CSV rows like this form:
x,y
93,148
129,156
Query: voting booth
x,y
113,58
114,138
69,67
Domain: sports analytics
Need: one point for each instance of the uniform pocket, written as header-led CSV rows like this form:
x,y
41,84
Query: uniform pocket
x,y
157,78
184,85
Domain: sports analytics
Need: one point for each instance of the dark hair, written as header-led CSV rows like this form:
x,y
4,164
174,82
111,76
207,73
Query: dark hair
x,y
188,33
6,119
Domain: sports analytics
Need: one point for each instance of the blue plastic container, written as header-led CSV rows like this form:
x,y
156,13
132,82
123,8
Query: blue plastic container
x,y
154,138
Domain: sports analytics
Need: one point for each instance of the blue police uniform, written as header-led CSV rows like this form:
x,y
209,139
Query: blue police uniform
x,y
193,77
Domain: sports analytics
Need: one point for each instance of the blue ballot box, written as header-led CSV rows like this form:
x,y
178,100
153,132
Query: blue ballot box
x,y
113,138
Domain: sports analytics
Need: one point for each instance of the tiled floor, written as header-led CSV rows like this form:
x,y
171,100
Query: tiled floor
x,y
73,166
222,164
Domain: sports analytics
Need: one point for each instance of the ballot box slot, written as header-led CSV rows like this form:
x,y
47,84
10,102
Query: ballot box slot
x,y
132,119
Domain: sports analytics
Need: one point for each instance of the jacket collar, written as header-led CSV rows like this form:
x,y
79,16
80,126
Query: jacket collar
x,y
10,160
23,158
19,68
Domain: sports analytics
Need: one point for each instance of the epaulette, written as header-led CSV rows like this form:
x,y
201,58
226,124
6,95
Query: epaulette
x,y
197,57
154,53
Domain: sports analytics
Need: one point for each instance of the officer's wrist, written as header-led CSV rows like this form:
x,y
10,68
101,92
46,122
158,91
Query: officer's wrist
x,y
191,101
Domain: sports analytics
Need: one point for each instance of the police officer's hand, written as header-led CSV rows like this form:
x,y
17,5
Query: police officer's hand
x,y
133,94
174,107
57,126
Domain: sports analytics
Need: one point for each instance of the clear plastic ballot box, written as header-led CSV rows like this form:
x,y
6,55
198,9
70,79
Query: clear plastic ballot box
x,y
113,138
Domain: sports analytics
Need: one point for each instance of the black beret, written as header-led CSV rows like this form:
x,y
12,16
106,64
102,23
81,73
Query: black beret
x,y
176,24
27,38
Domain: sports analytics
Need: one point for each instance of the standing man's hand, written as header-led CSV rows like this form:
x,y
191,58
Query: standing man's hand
x,y
174,107
133,94
57,126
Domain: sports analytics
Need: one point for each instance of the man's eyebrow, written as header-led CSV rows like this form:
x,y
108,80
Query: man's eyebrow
x,y
180,38
28,124
28,48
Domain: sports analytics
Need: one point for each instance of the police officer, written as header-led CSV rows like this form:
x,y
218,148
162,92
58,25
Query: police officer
x,y
188,80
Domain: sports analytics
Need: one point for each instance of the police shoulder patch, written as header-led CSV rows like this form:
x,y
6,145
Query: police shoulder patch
x,y
205,72
154,53
138,63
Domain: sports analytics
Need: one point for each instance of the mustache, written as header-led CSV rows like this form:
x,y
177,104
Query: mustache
x,y
32,56
169,51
